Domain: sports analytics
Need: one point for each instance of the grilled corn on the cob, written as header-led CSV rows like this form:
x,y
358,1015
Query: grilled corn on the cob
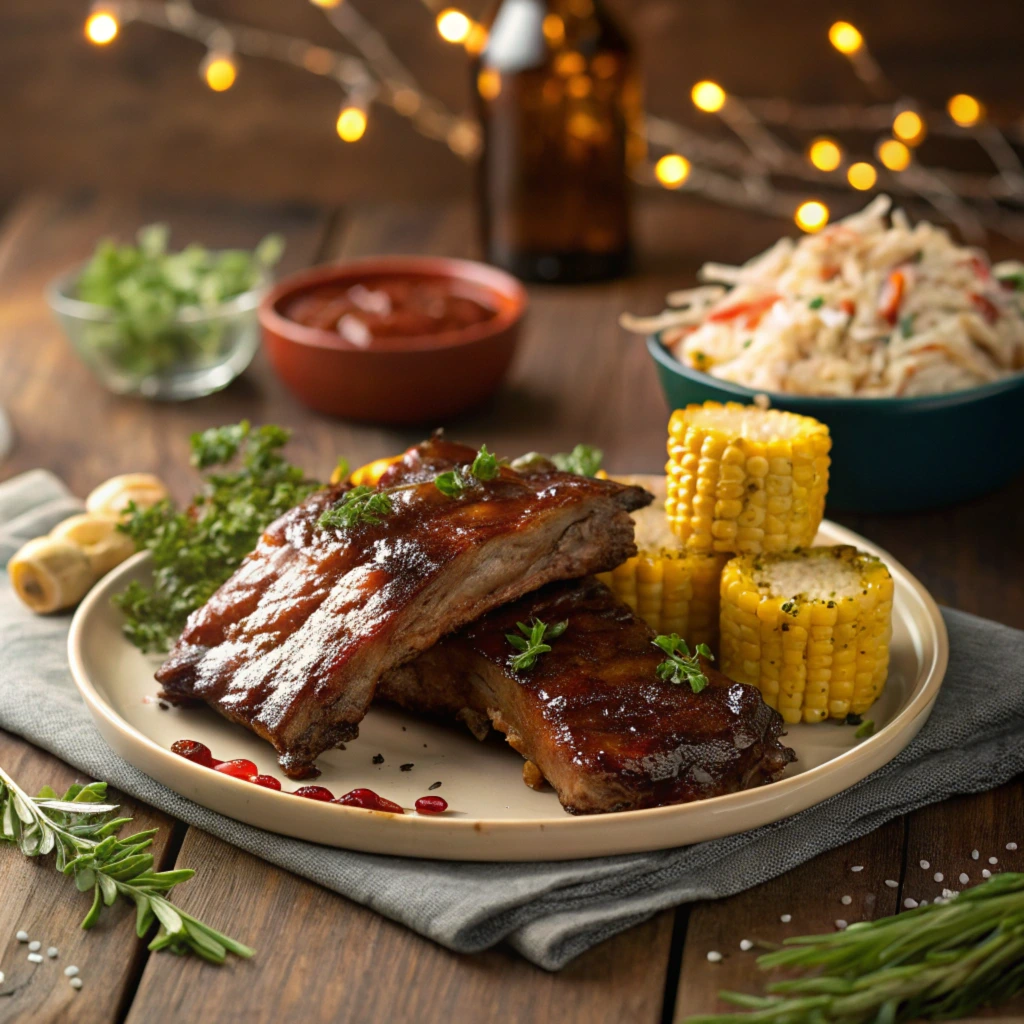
x,y
743,479
810,629
673,590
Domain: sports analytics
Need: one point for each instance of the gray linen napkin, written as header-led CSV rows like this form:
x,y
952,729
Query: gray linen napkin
x,y
549,912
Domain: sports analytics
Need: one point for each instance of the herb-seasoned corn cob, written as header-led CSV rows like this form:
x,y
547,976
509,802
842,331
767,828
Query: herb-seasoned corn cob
x,y
743,479
810,629
673,590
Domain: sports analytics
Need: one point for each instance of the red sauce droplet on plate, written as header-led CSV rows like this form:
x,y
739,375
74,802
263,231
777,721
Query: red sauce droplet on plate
x,y
266,781
431,805
314,793
240,768
197,753
370,801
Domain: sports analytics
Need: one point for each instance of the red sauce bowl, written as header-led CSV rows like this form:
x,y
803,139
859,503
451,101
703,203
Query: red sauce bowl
x,y
412,380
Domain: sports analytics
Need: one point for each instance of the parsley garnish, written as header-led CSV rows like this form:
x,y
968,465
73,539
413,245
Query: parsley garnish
x,y
866,729
907,325
1014,281
196,550
680,666
583,460
817,302
361,505
455,482
531,644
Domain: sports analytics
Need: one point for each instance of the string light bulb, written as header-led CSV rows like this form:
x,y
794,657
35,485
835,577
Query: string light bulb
x,y
672,170
908,127
825,154
845,37
965,110
453,26
708,96
351,123
894,155
101,27
861,175
811,216
219,70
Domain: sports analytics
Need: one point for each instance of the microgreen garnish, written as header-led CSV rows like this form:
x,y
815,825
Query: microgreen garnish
x,y
865,729
584,460
937,962
81,830
680,666
455,482
531,644
817,302
907,325
196,549
361,506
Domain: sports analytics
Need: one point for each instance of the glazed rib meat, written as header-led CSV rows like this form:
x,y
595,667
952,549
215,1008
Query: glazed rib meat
x,y
592,715
292,646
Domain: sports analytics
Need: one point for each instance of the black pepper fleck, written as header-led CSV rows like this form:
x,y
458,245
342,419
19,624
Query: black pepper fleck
x,y
378,758
434,785
405,767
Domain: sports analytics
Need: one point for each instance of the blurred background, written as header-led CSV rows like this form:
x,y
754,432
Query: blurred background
x,y
136,116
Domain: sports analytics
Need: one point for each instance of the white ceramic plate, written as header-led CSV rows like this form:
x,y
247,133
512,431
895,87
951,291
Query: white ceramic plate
x,y
492,815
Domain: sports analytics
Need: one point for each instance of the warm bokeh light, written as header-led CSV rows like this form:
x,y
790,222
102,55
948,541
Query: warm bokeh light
x,y
811,216
845,38
894,155
554,29
101,27
406,101
908,126
672,170
326,3
579,86
708,96
861,175
488,83
351,124
825,154
453,25
965,110
220,72
477,38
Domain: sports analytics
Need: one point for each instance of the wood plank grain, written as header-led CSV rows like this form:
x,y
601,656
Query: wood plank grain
x,y
324,959
34,897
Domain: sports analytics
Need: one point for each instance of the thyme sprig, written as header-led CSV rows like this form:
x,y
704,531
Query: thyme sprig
x,y
362,504
455,482
937,962
82,832
532,642
679,665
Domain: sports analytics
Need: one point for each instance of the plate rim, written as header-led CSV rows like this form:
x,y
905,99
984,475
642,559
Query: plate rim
x,y
854,764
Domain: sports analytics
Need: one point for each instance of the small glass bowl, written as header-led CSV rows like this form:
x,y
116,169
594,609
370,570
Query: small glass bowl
x,y
199,352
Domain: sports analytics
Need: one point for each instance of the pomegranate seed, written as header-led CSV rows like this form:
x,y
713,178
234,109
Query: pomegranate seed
x,y
192,750
266,781
314,793
240,768
431,805
370,801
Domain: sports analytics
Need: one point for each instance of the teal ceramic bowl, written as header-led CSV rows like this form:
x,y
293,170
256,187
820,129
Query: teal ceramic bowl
x,y
891,454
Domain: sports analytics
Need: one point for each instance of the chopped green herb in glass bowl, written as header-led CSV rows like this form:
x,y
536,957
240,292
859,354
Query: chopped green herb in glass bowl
x,y
170,325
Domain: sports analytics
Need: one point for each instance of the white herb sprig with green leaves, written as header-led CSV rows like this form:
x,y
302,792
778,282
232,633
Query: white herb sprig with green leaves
x,y
81,831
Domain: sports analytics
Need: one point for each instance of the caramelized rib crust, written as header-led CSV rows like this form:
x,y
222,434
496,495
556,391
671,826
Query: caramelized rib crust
x,y
591,714
292,646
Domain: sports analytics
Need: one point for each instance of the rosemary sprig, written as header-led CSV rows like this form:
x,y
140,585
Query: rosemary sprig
x,y
455,482
81,830
362,504
938,962
679,665
531,644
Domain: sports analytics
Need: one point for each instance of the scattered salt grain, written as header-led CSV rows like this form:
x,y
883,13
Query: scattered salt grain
x,y
1,977
975,855
985,873
857,867
52,952
923,903
925,865
786,918
938,876
35,958
70,971
910,904
714,956
993,860
948,893
846,901
34,945
964,878
841,925
21,936
1011,846
746,945
76,982
892,884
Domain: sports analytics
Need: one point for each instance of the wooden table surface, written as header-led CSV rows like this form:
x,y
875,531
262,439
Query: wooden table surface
x,y
577,377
